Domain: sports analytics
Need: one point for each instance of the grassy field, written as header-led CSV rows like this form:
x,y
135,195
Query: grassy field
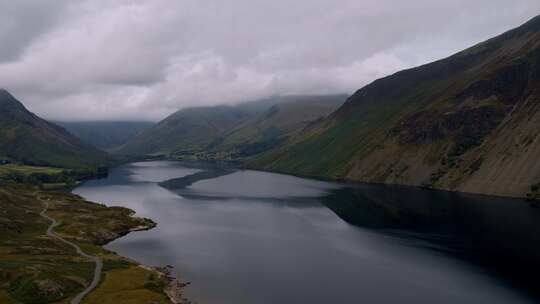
x,y
27,170
48,178
35,268
143,287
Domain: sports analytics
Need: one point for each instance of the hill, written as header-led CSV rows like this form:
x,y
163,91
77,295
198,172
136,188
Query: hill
x,y
276,124
230,132
26,138
105,135
186,130
469,123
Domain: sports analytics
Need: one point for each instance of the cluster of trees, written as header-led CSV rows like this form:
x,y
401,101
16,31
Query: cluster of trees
x,y
66,178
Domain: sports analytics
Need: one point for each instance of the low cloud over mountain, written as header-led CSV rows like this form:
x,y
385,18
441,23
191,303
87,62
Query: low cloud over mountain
x,y
87,60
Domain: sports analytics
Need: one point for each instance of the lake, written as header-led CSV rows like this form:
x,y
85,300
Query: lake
x,y
242,236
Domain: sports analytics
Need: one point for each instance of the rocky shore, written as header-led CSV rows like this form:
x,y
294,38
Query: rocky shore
x,y
175,288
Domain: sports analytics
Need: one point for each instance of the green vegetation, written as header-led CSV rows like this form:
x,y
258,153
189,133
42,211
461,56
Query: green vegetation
x,y
448,123
133,284
231,132
28,139
534,193
27,170
35,268
48,178
35,158
188,130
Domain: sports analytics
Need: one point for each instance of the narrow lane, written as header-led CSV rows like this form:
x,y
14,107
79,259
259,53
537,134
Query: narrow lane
x,y
99,263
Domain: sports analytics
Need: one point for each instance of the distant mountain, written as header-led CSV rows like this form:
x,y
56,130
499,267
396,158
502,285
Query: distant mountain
x,y
26,138
225,132
186,130
470,123
105,135
275,125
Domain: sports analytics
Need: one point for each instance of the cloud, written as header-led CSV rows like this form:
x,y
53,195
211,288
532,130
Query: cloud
x,y
23,22
127,59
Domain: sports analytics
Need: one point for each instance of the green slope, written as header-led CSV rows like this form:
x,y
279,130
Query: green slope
x,y
461,123
188,130
276,125
231,132
26,138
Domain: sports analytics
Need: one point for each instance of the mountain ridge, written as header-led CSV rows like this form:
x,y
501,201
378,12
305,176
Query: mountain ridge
x,y
105,135
231,132
26,138
431,125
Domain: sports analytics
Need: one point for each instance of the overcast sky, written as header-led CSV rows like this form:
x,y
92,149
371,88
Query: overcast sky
x,y
131,60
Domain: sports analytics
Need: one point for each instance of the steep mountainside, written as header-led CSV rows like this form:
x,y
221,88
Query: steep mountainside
x,y
186,130
276,124
105,135
231,132
469,123
29,139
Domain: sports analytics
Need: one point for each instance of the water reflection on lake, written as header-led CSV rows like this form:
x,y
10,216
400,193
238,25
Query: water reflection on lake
x,y
255,237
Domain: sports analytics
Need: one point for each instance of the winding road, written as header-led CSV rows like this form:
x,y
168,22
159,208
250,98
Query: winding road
x,y
96,260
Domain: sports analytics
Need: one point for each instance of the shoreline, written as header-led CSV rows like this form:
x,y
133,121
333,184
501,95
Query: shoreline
x,y
182,182
351,182
243,165
174,290
63,263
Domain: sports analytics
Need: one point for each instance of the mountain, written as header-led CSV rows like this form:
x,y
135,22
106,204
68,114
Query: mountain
x,y
225,132
272,127
468,123
105,135
188,129
26,138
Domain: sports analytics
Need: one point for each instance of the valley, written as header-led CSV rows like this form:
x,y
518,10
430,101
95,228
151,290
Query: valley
x,y
465,123
422,186
105,135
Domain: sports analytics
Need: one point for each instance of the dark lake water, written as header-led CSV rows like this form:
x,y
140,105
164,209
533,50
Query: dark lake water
x,y
255,237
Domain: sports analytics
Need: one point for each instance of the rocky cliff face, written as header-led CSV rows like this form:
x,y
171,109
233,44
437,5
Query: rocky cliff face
x,y
468,123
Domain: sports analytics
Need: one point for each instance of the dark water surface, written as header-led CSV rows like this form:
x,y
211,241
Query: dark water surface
x,y
255,237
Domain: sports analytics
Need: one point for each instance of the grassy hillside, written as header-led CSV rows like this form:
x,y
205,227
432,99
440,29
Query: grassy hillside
x,y
26,138
276,124
186,130
35,268
468,122
105,135
225,132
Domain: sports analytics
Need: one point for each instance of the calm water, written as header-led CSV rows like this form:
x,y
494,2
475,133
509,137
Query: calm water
x,y
254,237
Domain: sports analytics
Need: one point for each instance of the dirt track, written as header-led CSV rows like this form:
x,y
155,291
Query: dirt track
x,y
96,260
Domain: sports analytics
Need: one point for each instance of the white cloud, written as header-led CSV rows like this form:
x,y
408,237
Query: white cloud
x,y
128,59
